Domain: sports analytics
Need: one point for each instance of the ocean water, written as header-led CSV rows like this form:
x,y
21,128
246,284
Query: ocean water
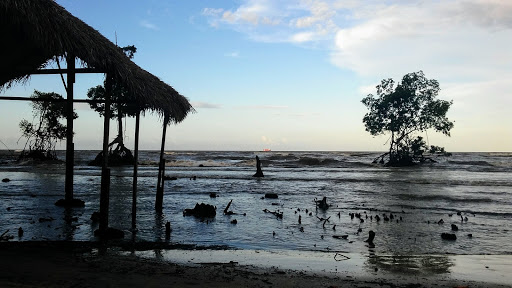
x,y
477,186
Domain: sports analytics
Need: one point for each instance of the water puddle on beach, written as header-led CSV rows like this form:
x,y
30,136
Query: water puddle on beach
x,y
482,268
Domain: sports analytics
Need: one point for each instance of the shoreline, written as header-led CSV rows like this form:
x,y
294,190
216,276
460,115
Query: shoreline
x,y
91,264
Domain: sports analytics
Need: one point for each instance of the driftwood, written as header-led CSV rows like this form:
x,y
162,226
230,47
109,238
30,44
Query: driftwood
x,y
340,257
227,212
340,236
278,214
323,219
5,237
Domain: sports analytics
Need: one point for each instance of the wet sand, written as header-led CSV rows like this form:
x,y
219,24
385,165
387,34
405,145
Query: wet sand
x,y
86,264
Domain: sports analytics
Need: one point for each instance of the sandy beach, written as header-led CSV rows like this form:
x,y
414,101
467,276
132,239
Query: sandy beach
x,y
87,264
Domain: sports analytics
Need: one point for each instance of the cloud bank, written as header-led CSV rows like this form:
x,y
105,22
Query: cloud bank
x,y
457,39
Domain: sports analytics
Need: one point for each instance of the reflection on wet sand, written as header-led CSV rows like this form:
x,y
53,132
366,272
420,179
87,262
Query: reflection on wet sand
x,y
69,227
424,265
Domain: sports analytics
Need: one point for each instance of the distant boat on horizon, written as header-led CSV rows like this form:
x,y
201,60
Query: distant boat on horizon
x,y
266,150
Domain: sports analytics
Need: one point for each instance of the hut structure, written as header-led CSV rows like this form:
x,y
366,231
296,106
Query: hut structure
x,y
36,33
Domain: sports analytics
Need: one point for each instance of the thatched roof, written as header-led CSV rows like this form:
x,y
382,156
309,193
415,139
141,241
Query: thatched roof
x,y
34,32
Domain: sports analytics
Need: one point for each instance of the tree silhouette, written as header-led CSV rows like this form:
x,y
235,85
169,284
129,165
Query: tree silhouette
x,y
120,109
403,110
45,130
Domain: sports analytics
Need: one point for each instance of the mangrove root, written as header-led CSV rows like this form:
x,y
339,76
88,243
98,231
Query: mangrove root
x,y
278,214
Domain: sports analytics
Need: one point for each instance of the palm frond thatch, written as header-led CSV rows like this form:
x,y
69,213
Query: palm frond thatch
x,y
34,32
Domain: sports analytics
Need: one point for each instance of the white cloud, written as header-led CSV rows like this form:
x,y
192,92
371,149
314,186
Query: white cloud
x,y
302,37
447,40
212,11
254,13
277,21
495,14
370,37
205,105
234,54
321,12
148,25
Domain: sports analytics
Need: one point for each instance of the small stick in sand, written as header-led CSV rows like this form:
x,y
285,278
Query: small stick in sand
x,y
226,212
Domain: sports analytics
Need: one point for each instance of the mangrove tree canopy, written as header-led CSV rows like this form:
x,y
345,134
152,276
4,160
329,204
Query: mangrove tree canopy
x,y
404,110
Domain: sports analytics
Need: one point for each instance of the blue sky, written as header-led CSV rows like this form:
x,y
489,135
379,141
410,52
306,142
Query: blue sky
x,y
290,75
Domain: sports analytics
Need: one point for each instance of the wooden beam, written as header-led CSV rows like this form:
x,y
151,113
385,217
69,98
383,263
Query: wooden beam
x,y
18,98
61,71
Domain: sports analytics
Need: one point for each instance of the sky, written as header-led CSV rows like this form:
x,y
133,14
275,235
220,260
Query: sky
x,y
290,75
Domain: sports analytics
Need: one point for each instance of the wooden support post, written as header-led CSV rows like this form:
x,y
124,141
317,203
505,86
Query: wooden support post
x,y
161,170
104,199
135,171
70,147
105,171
